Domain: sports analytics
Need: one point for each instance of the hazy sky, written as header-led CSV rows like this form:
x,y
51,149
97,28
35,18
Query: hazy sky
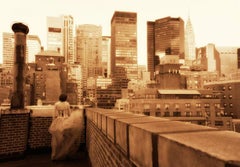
x,y
214,21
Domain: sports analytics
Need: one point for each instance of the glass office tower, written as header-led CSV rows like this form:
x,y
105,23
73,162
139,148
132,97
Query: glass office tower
x,y
124,43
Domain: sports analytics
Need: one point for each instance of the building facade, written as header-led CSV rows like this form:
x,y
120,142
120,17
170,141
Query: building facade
x,y
47,80
89,51
124,43
230,95
207,58
202,108
165,36
60,36
106,56
33,47
229,62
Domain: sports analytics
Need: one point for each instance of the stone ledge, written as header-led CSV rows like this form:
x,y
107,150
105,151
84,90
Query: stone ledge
x,y
153,141
208,148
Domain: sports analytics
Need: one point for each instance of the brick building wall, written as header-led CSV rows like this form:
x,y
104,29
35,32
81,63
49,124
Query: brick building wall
x,y
13,134
102,151
39,137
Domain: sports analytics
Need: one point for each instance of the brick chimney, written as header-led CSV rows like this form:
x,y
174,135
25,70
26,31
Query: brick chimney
x,y
20,32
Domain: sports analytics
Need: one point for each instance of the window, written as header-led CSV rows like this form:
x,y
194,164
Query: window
x,y
187,105
199,113
176,106
230,96
229,88
207,105
167,114
158,114
166,106
188,113
218,123
217,105
177,114
198,105
230,105
158,106
146,113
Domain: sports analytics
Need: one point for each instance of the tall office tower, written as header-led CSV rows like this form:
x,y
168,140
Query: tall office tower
x,y
151,57
165,36
89,50
68,39
33,47
60,36
190,50
106,55
124,43
8,50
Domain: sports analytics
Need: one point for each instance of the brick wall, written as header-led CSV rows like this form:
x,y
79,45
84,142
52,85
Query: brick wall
x,y
102,151
13,134
39,137
26,131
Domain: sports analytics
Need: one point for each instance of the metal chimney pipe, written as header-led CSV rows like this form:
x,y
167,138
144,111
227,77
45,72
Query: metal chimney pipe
x,y
20,32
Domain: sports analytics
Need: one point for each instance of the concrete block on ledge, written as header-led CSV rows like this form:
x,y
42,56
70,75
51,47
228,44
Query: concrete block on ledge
x,y
146,135
122,129
208,148
111,127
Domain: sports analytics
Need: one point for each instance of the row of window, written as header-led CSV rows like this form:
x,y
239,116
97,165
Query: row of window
x,y
174,114
183,114
177,106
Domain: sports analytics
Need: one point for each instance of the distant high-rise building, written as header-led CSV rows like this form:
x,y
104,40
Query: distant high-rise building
x,y
106,55
190,50
165,36
8,50
89,50
60,36
33,47
124,43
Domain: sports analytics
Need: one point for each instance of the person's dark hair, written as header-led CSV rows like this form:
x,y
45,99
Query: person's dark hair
x,y
63,97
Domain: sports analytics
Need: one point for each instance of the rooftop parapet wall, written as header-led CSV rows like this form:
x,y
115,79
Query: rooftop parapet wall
x,y
154,142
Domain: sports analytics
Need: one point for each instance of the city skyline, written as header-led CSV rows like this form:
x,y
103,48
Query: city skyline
x,y
213,21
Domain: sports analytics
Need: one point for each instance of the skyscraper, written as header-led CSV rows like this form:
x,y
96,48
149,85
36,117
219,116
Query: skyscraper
x,y
60,36
8,50
124,43
106,55
89,50
190,50
165,36
33,47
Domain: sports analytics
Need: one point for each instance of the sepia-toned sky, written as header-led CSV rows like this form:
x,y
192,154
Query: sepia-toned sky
x,y
214,21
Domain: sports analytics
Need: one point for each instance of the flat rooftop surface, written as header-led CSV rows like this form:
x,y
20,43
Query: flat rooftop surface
x,y
44,160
